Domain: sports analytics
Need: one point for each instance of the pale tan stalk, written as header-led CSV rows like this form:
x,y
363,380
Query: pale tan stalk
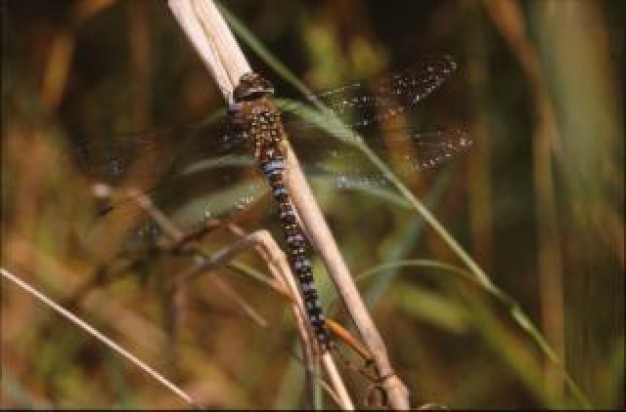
x,y
217,47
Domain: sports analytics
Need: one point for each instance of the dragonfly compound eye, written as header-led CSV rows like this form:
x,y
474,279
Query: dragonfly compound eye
x,y
252,86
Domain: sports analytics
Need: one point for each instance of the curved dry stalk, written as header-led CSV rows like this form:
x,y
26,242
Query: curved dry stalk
x,y
284,282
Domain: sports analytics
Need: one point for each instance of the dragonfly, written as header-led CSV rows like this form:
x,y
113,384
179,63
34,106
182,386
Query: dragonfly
x,y
253,134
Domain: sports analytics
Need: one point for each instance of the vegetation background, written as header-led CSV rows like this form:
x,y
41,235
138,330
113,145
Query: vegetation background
x,y
538,203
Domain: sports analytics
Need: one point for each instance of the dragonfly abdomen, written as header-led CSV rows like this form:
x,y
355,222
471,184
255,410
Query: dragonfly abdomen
x,y
274,169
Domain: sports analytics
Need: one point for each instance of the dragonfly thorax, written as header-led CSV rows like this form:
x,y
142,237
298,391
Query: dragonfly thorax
x,y
255,116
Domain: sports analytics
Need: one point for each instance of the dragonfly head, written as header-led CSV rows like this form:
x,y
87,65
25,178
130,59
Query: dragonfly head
x,y
251,87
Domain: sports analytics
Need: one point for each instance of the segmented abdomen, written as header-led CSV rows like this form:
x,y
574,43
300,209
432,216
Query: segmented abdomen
x,y
273,168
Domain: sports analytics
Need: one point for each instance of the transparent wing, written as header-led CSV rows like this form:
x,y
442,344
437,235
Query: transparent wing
x,y
212,188
407,151
150,152
191,173
364,103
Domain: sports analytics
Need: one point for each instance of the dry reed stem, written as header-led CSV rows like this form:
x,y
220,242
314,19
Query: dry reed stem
x,y
260,240
284,282
99,336
217,47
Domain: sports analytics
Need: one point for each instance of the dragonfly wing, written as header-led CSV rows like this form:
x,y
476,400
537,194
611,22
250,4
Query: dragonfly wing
x,y
144,154
208,174
364,103
425,149
407,151
214,188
